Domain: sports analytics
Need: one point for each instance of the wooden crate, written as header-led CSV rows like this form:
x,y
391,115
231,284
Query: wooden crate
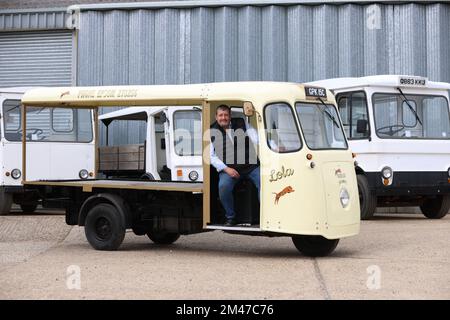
x,y
128,157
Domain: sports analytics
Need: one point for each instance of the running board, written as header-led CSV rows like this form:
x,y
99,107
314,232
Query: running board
x,y
233,228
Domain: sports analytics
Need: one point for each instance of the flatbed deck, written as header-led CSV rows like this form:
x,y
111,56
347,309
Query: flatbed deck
x,y
88,185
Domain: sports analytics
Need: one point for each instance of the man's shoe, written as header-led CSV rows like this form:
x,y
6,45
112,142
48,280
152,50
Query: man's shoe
x,y
230,223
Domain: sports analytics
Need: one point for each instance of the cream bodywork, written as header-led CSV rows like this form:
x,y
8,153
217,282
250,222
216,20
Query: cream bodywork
x,y
313,208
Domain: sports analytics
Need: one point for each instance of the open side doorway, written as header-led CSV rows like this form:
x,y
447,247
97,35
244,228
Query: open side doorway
x,y
245,194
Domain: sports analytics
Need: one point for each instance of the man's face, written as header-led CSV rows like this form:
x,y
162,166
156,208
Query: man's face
x,y
223,118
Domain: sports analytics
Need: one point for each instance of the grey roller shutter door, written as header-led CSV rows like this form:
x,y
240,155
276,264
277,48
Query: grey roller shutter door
x,y
36,59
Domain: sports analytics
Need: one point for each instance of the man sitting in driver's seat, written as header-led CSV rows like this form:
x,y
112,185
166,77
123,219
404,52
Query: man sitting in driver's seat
x,y
233,154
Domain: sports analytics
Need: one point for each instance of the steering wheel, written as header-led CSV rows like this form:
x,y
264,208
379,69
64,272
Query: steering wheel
x,y
36,131
391,130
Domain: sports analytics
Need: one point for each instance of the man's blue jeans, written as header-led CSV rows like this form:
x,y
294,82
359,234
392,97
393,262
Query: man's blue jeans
x,y
226,186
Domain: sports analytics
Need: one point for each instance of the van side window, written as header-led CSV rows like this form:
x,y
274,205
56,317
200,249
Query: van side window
x,y
187,133
62,120
11,115
45,124
353,110
281,128
344,110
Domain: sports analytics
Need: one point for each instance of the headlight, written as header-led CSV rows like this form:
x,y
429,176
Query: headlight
x,y
16,174
84,174
193,175
344,197
386,172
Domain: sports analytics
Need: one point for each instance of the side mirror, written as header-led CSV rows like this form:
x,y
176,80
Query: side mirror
x,y
163,117
361,126
249,109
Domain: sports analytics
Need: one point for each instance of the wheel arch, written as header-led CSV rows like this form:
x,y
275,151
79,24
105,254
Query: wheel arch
x,y
360,170
113,199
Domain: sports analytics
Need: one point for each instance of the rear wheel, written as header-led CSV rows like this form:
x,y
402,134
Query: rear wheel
x,y
104,228
162,237
29,207
6,200
436,208
314,246
367,201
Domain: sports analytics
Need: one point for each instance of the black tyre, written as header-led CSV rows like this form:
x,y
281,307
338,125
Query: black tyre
x,y
104,227
436,208
6,200
314,246
367,200
162,237
147,176
29,207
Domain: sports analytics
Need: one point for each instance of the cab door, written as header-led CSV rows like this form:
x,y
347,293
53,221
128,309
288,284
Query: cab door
x,y
307,171
11,146
184,130
292,200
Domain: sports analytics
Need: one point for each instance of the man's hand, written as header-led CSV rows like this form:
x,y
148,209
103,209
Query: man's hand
x,y
232,173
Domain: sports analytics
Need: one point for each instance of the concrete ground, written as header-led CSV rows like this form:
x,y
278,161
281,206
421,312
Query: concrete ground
x,y
401,256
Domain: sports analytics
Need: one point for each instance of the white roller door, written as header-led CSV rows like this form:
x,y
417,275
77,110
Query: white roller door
x,y
36,58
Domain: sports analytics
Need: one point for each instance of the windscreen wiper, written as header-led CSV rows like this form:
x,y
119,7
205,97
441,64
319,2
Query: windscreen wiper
x,y
410,107
325,111
13,108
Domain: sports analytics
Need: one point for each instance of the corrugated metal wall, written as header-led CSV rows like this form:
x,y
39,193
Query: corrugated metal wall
x,y
290,43
40,20
36,58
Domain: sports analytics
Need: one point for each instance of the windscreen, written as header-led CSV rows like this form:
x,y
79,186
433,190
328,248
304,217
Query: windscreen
x,y
321,126
47,124
411,116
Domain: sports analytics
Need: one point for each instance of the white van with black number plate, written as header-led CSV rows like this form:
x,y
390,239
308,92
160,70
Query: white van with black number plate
x,y
167,151
399,128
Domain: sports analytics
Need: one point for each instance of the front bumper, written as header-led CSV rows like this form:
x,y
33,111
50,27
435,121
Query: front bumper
x,y
411,183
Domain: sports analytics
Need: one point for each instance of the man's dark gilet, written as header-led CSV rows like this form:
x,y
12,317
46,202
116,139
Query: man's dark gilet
x,y
243,156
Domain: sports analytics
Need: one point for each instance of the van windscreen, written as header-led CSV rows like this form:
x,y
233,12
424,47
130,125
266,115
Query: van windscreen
x,y
321,126
47,124
411,116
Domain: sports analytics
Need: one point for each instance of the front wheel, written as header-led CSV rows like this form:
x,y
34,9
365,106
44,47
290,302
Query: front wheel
x,y
436,208
314,246
6,200
162,237
104,227
367,200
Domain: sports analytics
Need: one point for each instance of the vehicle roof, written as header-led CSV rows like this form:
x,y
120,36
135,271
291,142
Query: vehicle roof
x,y
15,89
375,81
159,95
